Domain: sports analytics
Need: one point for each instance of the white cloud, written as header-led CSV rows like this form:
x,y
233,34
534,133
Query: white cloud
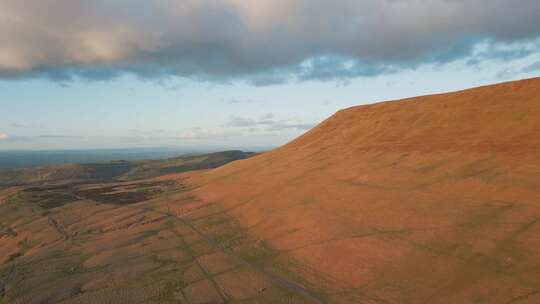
x,y
3,136
267,123
259,40
198,133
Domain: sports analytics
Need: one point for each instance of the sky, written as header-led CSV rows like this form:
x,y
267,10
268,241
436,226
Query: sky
x,y
77,74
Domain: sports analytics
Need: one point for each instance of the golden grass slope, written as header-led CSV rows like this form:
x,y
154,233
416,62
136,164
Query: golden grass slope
x,y
434,199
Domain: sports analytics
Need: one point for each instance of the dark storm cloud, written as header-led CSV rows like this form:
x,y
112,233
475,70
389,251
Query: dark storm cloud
x,y
263,42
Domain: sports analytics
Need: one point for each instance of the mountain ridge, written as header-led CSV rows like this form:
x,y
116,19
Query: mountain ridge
x,y
447,181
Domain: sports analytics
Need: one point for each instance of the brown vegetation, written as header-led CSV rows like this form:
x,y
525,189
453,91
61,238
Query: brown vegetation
x,y
433,199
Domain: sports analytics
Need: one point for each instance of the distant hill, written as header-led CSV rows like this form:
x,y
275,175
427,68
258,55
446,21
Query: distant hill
x,y
17,159
118,170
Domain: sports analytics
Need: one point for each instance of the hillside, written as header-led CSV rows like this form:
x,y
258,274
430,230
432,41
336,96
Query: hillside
x,y
434,199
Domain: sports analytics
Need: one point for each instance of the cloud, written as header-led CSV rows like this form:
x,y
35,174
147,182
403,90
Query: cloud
x,y
238,101
241,122
285,126
329,68
505,74
60,136
262,42
534,67
141,132
33,125
199,133
502,52
509,73
267,122
24,138
272,77
20,126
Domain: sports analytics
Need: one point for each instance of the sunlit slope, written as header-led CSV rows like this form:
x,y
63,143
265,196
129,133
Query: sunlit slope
x,y
433,199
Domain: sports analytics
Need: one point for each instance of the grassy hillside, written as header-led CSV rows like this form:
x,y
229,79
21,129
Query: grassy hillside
x,y
433,199
87,238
